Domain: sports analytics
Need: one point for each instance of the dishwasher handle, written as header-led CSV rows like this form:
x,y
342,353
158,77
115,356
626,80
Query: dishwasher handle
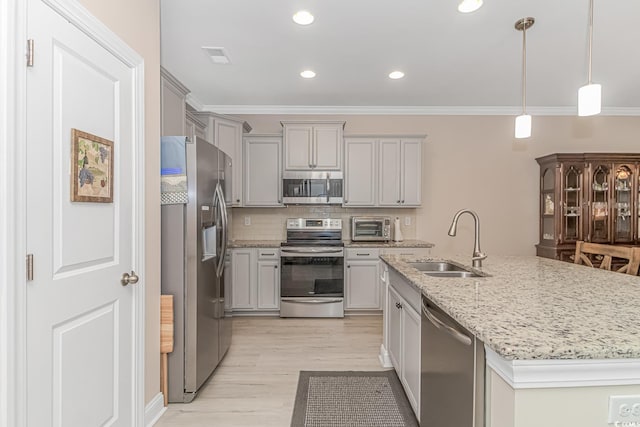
x,y
443,326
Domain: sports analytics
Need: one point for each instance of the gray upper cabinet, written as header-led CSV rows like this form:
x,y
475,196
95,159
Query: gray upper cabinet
x,y
225,132
263,170
383,171
173,108
194,127
312,145
400,172
360,184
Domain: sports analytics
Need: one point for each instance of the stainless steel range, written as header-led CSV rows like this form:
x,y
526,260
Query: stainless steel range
x,y
312,268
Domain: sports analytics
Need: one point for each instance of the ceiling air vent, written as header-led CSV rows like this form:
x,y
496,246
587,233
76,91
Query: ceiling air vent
x,y
217,54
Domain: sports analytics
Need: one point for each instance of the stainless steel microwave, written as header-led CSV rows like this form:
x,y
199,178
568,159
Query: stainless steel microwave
x,y
316,188
370,228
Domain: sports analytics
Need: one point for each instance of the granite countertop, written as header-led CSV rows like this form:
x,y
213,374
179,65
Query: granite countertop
x,y
403,244
255,243
347,244
538,308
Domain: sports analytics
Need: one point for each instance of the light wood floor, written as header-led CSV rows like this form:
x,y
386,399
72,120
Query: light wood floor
x,y
255,385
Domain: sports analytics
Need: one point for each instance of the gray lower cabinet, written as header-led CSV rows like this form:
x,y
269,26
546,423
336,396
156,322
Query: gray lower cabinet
x,y
403,324
256,280
362,284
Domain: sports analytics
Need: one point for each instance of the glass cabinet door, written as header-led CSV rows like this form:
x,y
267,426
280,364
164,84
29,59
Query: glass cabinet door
x,y
623,204
547,194
599,199
638,206
572,204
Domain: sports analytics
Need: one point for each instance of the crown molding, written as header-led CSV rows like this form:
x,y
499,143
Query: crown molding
x,y
196,103
405,110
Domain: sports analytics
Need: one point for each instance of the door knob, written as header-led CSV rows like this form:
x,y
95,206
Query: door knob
x,y
129,278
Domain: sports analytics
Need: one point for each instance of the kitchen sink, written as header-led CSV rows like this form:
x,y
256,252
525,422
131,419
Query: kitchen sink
x,y
436,266
443,269
452,274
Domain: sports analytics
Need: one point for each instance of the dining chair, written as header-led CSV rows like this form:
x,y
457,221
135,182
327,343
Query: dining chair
x,y
608,253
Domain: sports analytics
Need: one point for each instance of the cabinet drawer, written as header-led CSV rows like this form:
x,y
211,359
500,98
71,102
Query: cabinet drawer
x,y
362,253
269,253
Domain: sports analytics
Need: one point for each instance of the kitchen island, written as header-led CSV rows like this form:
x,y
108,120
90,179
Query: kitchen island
x,y
559,338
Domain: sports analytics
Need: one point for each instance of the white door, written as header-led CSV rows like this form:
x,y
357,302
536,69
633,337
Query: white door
x,y
80,332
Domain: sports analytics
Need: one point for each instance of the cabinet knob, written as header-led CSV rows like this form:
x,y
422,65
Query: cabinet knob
x,y
237,200
348,266
403,201
275,266
398,202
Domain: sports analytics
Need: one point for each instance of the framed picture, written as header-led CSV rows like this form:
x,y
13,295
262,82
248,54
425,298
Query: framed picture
x,y
92,168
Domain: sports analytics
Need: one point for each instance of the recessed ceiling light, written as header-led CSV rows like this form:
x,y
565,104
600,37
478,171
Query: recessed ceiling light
x,y
308,74
468,6
396,75
303,18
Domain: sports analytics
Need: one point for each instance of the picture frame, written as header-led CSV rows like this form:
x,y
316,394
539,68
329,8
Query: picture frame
x,y
91,168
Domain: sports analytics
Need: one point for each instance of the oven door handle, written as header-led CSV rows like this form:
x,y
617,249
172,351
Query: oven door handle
x,y
312,301
311,251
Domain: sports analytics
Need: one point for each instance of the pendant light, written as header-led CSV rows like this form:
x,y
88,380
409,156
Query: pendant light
x,y
590,95
523,121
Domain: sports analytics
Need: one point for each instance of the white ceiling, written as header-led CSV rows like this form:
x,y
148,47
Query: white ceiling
x,y
454,63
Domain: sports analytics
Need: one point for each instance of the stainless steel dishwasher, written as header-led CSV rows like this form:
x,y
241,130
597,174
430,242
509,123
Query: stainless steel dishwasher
x,y
452,372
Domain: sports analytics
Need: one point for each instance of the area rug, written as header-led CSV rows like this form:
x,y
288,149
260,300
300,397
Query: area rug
x,y
351,398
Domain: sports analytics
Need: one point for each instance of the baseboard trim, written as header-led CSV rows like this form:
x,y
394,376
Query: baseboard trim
x,y
255,314
154,410
384,358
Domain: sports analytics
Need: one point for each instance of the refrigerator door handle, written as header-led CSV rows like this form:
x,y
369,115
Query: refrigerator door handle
x,y
220,203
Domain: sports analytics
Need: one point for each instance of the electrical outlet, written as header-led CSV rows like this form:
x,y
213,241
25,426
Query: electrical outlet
x,y
407,221
247,220
624,409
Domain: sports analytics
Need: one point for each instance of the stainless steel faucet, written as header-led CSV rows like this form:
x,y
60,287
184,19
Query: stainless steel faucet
x,y
477,256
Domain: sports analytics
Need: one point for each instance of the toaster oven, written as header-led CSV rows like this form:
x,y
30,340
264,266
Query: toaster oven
x,y
370,228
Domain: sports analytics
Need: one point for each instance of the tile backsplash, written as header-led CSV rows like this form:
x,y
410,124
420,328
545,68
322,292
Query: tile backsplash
x,y
269,223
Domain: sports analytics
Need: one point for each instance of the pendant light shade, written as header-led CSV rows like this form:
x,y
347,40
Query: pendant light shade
x,y
590,95
589,100
523,121
523,126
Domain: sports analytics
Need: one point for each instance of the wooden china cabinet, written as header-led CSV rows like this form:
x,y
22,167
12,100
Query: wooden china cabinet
x,y
593,197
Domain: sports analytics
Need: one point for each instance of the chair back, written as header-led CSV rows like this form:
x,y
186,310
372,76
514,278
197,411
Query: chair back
x,y
608,253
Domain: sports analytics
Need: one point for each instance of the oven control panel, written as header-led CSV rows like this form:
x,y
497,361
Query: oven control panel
x,y
314,224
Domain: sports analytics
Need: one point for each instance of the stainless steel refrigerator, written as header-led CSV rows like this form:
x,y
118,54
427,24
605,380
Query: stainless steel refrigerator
x,y
195,268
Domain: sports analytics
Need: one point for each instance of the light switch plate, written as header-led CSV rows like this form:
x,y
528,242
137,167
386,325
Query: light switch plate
x,y
247,220
407,221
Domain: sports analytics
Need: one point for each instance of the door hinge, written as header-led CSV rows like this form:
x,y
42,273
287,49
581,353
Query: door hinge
x,y
29,267
30,53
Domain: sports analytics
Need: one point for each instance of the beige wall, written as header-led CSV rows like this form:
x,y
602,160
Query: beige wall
x,y
474,162
138,24
550,407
